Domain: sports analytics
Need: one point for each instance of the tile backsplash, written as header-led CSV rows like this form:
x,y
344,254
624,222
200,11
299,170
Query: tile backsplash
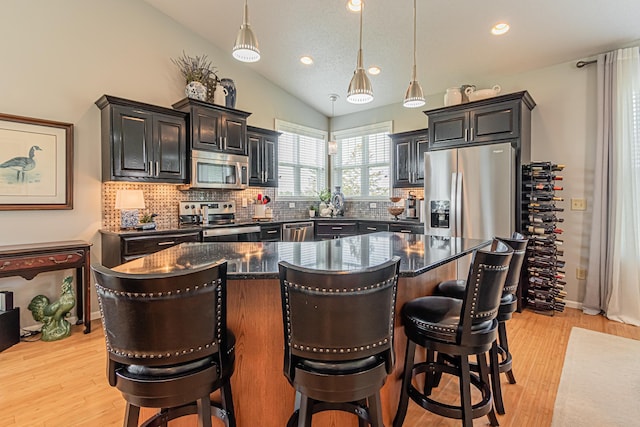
x,y
162,199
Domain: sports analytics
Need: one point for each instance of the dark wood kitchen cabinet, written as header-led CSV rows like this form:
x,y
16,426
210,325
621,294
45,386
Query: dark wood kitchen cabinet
x,y
263,157
270,233
118,248
408,157
214,127
326,230
365,227
487,121
142,142
407,228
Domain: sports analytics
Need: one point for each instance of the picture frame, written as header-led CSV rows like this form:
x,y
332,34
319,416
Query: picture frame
x,y
36,164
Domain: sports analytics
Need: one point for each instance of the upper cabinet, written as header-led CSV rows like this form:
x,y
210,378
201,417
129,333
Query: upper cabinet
x,y
408,150
490,120
263,157
142,142
215,128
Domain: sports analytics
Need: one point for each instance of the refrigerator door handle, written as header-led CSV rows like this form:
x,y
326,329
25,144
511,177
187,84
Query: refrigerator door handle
x,y
453,209
458,212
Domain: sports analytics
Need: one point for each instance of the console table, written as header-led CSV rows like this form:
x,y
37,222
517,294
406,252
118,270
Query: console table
x,y
29,260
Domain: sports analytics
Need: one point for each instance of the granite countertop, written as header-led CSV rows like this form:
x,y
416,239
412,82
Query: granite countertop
x,y
187,228
418,253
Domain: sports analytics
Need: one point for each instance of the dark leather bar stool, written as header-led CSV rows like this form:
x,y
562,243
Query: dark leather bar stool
x,y
508,305
457,328
338,334
167,342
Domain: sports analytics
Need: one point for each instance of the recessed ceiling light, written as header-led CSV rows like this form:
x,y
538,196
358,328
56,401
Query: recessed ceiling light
x,y
306,60
374,70
354,5
500,28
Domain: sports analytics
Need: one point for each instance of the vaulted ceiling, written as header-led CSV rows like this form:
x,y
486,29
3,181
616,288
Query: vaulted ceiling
x,y
454,43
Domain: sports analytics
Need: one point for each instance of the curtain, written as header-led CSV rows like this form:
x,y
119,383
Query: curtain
x,y
613,283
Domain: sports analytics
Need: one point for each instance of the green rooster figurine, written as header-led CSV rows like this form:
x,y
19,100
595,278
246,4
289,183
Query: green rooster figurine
x,y
53,315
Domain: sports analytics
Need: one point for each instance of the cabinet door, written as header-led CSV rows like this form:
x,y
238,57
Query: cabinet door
x,y
448,129
270,233
495,122
169,148
401,165
420,146
234,134
365,227
255,159
270,163
406,228
205,129
132,134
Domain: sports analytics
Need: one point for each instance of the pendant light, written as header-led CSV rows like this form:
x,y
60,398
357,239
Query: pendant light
x,y
332,146
360,91
246,47
414,97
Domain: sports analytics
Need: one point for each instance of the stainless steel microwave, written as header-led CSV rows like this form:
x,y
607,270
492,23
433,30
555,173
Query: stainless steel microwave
x,y
219,170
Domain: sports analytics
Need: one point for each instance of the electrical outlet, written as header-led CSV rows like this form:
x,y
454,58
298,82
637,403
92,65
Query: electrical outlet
x,y
244,202
578,204
373,205
581,273
292,204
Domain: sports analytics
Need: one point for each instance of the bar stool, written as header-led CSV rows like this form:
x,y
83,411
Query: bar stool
x,y
167,342
338,334
457,328
508,305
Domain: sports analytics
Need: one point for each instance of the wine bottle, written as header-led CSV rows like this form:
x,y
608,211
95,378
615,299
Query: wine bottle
x,y
545,166
542,186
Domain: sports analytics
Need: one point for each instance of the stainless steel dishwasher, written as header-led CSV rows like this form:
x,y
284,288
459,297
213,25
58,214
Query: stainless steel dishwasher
x,y
297,232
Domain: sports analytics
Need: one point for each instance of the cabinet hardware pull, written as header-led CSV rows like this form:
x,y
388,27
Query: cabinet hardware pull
x,y
372,228
465,134
336,228
170,242
6,263
405,231
157,168
471,134
61,261
150,168
272,231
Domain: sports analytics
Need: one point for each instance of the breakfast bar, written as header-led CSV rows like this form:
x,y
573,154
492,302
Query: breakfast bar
x,y
261,393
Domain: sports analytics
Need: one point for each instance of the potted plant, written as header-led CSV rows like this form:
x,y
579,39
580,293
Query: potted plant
x,y
312,211
200,76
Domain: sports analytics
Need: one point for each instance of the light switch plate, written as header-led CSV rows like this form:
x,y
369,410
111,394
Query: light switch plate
x,y
373,205
581,273
578,204
244,202
292,204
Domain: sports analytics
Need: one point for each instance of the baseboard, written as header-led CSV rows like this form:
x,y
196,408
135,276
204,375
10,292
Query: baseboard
x,y
573,304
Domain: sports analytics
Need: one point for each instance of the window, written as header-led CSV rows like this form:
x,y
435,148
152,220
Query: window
x,y
362,166
302,160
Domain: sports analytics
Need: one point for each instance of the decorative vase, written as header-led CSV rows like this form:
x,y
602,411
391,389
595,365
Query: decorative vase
x,y
196,90
230,86
220,95
337,200
453,96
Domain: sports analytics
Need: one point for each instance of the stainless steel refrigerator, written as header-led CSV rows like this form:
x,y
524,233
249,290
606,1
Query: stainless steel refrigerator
x,y
470,192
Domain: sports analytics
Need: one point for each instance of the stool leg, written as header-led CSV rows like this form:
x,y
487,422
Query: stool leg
x,y
483,372
204,412
431,379
375,410
465,391
504,344
496,387
227,404
131,415
306,411
406,383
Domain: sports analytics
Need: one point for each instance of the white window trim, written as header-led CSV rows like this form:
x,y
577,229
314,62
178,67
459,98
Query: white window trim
x,y
379,127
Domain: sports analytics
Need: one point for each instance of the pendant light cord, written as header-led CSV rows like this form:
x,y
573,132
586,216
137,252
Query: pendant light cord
x,y
414,41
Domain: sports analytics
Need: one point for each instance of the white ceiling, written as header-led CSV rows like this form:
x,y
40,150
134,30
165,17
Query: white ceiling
x,y
454,43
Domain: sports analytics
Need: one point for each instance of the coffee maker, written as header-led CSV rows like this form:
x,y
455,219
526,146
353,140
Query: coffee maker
x,y
412,206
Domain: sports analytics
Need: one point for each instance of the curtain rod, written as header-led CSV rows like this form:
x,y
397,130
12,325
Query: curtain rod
x,y
581,64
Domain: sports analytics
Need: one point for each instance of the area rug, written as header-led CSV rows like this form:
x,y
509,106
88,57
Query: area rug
x,y
600,382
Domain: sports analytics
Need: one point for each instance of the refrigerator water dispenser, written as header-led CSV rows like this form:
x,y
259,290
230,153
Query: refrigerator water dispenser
x,y
440,213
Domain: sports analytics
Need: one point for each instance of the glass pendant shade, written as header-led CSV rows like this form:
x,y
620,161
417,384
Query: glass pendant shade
x,y
414,97
360,91
245,48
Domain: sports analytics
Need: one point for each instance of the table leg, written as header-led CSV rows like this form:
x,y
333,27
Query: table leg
x,y
87,292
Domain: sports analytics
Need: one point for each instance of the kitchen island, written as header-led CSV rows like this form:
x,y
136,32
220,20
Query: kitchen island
x,y
262,396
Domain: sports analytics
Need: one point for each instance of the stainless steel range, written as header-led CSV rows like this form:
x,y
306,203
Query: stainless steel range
x,y
217,220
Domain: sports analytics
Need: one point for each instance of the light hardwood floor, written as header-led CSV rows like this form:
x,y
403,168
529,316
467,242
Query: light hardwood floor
x,y
63,383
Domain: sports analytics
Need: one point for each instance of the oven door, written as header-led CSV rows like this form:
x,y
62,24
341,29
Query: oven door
x,y
219,170
232,234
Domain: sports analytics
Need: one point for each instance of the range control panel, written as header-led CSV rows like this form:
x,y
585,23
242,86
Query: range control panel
x,y
215,208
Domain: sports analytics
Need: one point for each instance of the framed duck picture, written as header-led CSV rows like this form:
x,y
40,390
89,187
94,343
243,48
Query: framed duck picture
x,y
36,164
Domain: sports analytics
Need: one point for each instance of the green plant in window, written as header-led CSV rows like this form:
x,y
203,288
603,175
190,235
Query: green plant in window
x,y
324,195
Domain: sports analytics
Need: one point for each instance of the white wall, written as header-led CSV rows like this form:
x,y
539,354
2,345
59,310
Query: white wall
x,y
563,131
59,57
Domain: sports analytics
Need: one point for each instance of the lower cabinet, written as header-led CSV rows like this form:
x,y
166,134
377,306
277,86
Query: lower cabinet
x,y
334,229
365,227
270,233
407,228
121,248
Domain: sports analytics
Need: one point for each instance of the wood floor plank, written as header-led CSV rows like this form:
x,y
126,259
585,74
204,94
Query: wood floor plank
x,y
63,383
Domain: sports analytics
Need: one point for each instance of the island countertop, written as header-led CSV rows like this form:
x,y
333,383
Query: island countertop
x,y
418,253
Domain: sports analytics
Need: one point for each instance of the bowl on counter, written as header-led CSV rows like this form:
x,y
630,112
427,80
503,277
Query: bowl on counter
x,y
395,211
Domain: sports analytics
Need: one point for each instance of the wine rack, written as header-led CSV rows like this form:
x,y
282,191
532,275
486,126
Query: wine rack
x,y
544,272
